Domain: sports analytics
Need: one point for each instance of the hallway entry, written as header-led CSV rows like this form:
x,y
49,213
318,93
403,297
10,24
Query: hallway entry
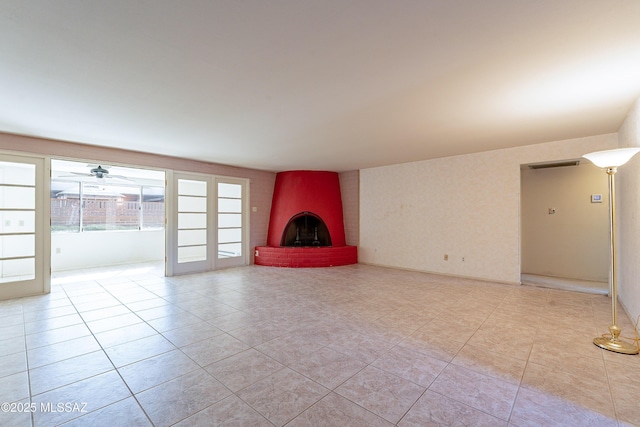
x,y
564,220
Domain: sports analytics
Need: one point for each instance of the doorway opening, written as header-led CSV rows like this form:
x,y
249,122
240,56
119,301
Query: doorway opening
x,y
564,223
104,215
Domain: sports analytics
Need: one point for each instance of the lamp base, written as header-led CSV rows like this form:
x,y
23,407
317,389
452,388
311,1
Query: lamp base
x,y
615,345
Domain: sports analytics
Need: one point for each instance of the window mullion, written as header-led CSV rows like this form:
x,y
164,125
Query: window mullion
x,y
81,197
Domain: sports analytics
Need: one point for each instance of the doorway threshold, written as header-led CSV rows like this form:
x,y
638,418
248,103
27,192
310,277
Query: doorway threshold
x,y
151,269
587,286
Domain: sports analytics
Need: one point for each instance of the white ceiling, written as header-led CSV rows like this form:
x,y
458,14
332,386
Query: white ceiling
x,y
317,84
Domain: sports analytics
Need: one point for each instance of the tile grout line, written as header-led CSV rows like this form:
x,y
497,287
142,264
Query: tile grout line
x,y
358,299
110,361
606,371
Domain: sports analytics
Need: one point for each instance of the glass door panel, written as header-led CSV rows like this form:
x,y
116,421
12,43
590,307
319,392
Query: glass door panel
x,y
208,225
231,240
21,242
192,220
191,241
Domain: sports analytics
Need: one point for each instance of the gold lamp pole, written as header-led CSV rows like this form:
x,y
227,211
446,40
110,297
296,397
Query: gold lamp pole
x,y
610,160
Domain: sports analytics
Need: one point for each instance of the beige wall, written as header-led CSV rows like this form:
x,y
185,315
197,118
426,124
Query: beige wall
x,y
464,206
350,191
261,182
628,201
574,241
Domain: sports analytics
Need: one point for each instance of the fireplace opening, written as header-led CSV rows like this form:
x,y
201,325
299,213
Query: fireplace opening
x,y
306,229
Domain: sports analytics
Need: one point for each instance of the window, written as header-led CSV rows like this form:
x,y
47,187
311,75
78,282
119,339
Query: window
x,y
152,208
81,202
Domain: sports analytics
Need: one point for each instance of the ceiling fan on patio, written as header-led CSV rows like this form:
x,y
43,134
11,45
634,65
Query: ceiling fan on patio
x,y
100,172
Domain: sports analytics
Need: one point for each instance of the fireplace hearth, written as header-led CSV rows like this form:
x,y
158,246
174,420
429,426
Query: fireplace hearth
x,y
306,226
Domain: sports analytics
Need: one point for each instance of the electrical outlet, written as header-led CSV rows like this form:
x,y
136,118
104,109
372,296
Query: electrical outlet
x,y
446,257
462,259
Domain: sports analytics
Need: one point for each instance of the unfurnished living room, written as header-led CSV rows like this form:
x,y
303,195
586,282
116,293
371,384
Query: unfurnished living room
x,y
319,213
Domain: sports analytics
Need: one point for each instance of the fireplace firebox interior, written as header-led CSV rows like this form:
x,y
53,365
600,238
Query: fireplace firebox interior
x,y
306,229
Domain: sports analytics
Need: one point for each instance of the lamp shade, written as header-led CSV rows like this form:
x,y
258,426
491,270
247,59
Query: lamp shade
x,y
612,158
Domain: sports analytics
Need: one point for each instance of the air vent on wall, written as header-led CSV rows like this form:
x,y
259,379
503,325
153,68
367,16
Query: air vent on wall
x,y
555,164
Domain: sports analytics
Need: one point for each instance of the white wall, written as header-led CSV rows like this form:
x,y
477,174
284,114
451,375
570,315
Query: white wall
x,y
628,203
71,251
464,206
573,242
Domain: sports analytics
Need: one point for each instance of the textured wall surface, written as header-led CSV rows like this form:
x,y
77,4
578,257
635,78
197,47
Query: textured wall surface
x,y
350,189
467,207
628,201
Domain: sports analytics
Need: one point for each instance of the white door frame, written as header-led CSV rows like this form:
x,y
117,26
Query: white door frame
x,y
212,262
41,284
244,258
172,266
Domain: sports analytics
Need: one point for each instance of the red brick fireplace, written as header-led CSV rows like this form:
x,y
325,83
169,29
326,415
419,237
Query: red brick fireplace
x,y
306,227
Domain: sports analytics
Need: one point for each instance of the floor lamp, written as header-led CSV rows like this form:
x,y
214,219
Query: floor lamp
x,y
610,160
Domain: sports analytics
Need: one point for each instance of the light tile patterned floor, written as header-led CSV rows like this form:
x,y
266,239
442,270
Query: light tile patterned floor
x,y
346,346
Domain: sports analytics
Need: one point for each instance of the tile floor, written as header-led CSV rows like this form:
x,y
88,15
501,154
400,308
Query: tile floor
x,y
345,346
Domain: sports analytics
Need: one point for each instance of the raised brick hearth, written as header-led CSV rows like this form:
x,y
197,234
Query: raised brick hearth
x,y
317,239
322,256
